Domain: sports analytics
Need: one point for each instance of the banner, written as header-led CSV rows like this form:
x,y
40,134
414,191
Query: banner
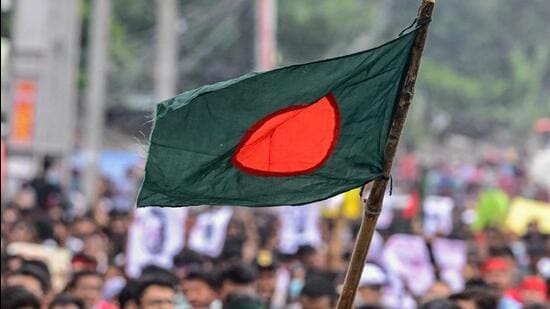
x,y
406,256
523,211
208,234
450,255
438,215
299,226
155,236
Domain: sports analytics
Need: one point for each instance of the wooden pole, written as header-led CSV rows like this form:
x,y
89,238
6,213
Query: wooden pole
x,y
374,204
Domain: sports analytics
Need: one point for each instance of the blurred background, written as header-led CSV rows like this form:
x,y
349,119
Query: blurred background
x,y
81,78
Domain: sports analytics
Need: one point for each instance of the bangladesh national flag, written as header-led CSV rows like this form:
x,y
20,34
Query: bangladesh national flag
x,y
290,136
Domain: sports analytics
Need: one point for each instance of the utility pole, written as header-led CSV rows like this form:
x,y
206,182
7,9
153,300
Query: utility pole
x,y
95,94
266,38
165,70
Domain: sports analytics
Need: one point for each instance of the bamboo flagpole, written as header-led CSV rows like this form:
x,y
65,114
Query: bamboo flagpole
x,y
374,203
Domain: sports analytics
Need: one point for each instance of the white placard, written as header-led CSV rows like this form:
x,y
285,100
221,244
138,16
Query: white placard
x,y
450,255
438,215
208,234
299,226
406,256
155,236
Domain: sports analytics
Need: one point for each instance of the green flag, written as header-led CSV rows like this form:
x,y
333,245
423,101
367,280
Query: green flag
x,y
290,136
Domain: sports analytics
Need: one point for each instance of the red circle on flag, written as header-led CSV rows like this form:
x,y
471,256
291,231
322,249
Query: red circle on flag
x,y
292,141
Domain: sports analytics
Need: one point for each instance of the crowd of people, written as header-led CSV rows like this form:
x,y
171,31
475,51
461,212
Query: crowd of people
x,y
445,239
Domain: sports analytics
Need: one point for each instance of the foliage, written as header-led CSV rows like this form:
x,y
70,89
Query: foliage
x,y
486,65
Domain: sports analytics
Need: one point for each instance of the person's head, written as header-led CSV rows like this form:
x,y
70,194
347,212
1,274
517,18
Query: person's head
x,y
83,227
498,273
33,276
243,301
155,292
127,297
237,278
318,293
199,288
23,231
310,257
367,306
87,286
81,261
266,280
157,271
11,263
372,280
476,298
440,303
18,297
66,301
438,290
533,290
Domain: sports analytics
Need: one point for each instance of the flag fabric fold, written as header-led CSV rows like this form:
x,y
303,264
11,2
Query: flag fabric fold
x,y
290,136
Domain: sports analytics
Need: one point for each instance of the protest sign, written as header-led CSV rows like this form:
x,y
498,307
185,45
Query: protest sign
x,y
209,232
156,235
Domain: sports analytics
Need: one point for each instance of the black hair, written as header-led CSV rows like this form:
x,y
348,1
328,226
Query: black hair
x,y
48,161
65,299
15,297
239,273
39,265
440,303
370,306
501,251
37,270
318,285
476,283
154,270
151,279
208,277
81,274
188,257
243,301
483,298
128,293
305,250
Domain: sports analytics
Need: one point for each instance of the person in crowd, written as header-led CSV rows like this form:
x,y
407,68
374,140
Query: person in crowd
x,y
48,184
24,230
155,292
86,285
127,297
237,278
477,298
373,280
18,297
32,275
318,293
81,261
66,301
199,288
439,289
243,301
441,303
266,282
533,290
310,257
499,273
